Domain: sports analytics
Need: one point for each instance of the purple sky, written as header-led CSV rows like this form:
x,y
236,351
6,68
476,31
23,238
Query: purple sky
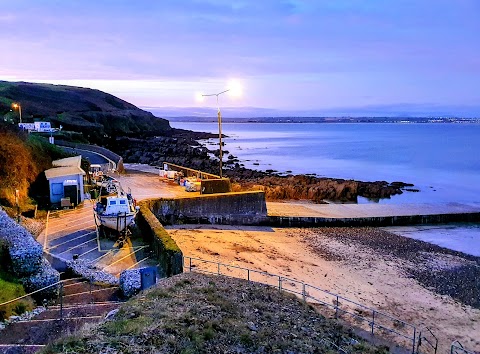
x,y
288,54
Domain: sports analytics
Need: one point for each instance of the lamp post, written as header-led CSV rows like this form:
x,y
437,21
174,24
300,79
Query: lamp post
x,y
17,105
219,114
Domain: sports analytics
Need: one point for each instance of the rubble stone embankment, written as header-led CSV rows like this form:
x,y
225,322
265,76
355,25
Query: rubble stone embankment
x,y
26,257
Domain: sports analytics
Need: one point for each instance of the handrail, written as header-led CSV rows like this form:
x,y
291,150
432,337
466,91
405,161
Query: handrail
x,y
197,172
371,321
457,348
34,292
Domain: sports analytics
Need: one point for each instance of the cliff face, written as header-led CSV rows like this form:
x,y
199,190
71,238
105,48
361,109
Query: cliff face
x,y
91,112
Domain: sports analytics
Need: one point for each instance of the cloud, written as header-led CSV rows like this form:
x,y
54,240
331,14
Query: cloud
x,y
345,46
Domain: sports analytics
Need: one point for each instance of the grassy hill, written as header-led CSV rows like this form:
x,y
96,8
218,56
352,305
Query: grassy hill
x,y
196,313
94,113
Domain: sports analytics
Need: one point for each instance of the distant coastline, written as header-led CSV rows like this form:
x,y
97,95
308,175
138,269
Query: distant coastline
x,y
408,120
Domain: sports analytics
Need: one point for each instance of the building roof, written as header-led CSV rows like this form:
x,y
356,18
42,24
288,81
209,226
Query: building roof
x,y
63,171
74,161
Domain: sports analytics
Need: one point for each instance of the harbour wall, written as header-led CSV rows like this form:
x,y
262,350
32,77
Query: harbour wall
x,y
305,221
242,208
167,252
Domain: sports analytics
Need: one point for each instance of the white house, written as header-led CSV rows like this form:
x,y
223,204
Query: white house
x,y
40,127
66,180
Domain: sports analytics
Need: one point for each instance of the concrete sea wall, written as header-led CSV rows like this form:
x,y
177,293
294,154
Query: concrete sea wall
x,y
242,208
399,220
166,251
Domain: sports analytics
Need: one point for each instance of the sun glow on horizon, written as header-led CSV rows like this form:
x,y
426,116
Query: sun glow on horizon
x,y
235,88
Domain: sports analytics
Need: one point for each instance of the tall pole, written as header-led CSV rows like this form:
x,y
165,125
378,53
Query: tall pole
x,y
219,114
17,105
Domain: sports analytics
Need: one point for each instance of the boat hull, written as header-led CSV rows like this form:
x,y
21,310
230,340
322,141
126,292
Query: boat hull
x,y
116,222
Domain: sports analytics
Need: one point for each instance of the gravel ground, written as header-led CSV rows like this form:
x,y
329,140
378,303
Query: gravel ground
x,y
445,271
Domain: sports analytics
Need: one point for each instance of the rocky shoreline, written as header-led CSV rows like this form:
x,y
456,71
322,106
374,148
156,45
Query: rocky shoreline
x,y
182,148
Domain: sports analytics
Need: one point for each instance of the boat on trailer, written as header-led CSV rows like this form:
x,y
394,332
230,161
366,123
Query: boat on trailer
x,y
116,210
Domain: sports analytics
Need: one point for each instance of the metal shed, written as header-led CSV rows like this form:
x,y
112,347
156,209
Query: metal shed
x,y
66,180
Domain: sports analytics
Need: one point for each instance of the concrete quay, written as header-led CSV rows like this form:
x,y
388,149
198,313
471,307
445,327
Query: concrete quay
x,y
295,214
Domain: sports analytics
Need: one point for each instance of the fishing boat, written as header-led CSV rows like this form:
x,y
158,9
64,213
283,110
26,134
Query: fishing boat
x,y
115,211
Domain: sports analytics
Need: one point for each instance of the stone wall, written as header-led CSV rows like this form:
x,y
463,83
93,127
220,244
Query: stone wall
x,y
243,208
26,258
167,252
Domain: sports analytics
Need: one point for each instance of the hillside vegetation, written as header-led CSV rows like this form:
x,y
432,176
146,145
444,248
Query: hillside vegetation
x,y
96,114
196,313
22,159
11,289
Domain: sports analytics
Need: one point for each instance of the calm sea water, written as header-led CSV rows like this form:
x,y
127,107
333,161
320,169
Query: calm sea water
x,y
442,160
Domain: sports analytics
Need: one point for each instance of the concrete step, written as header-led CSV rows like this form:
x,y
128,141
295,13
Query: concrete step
x,y
82,286
84,310
42,332
96,295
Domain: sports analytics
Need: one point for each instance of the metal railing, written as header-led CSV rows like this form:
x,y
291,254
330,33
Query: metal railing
x,y
367,318
427,340
189,172
59,299
457,348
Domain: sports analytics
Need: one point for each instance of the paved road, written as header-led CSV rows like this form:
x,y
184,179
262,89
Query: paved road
x,y
145,185
94,158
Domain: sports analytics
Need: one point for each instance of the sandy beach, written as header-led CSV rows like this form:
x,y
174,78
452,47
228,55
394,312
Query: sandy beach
x,y
415,281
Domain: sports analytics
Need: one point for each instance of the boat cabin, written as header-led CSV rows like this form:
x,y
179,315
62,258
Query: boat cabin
x,y
114,205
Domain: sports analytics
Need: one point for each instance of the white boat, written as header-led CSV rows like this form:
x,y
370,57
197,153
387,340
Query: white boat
x,y
115,212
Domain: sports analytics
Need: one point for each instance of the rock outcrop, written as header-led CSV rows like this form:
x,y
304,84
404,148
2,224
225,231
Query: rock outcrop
x,y
183,149
317,189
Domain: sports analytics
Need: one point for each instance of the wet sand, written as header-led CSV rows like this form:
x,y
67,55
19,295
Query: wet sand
x,y
418,282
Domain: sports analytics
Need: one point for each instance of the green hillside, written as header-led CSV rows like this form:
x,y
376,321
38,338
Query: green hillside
x,y
96,114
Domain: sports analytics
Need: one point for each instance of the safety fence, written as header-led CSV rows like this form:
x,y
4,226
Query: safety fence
x,y
366,318
38,294
44,297
188,172
457,348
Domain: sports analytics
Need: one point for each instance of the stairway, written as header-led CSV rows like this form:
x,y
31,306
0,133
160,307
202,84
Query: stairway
x,y
82,303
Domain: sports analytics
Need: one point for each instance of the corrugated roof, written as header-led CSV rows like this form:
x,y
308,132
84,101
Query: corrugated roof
x,y
63,171
74,161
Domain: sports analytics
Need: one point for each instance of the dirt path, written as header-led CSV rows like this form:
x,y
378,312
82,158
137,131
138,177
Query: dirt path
x,y
350,266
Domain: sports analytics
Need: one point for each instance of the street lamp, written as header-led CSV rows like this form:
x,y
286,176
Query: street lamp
x,y
17,105
219,114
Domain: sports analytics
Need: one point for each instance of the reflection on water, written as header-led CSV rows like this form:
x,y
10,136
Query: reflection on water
x,y
440,159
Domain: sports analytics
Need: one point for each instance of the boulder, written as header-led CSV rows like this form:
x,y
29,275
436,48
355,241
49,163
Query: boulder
x,y
130,282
